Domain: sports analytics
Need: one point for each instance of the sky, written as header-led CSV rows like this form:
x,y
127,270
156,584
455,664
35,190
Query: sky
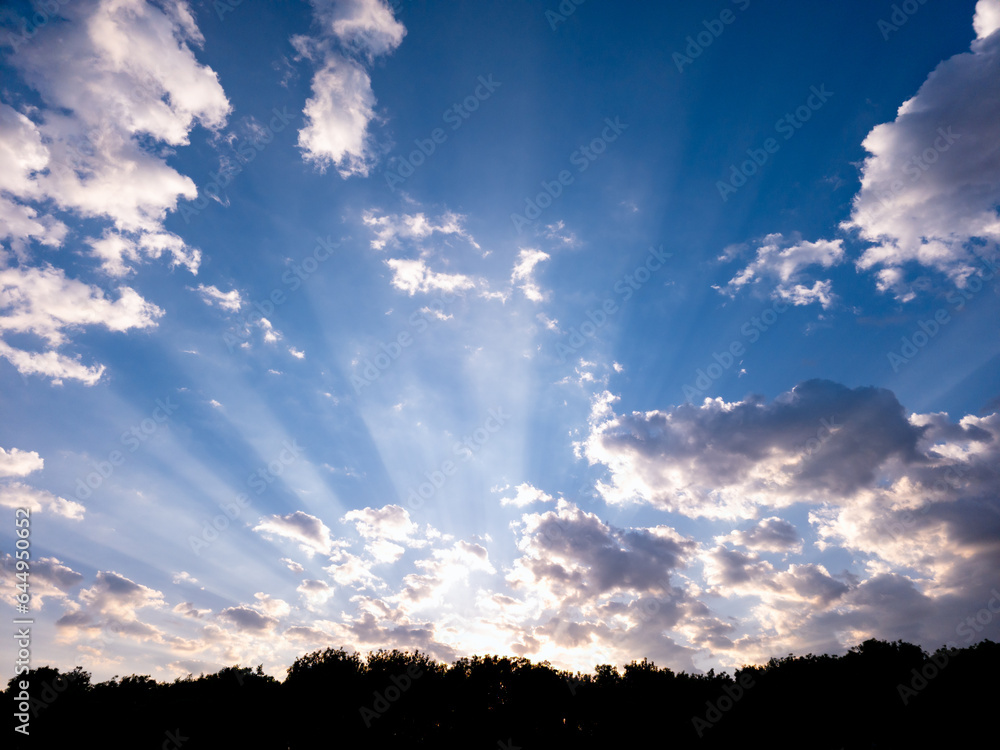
x,y
580,331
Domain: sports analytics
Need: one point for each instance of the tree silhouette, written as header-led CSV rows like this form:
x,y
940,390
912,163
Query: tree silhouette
x,y
878,695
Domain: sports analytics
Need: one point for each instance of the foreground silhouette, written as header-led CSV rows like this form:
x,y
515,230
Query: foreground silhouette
x,y
878,695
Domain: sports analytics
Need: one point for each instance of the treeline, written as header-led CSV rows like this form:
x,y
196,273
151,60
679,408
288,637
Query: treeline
x,y
878,695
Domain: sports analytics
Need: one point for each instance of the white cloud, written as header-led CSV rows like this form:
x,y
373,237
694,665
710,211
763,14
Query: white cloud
x,y
316,593
116,83
18,463
43,302
931,183
18,495
310,532
212,296
271,606
382,528
782,262
22,153
342,105
412,276
571,556
987,18
550,323
389,522
351,570
298,354
771,534
57,367
337,117
392,228
49,579
365,26
112,603
114,73
912,497
188,609
383,551
818,442
526,495
522,276
557,233
443,569
113,249
249,620
799,294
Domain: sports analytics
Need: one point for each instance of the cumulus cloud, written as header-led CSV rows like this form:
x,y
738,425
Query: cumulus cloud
x,y
730,572
187,609
588,587
350,570
987,18
444,568
337,117
524,495
931,182
391,522
310,532
95,98
366,26
18,463
342,105
821,441
781,263
49,577
574,556
382,528
115,84
413,276
51,364
770,535
44,302
316,593
119,252
18,495
272,606
114,594
379,623
913,497
248,620
22,154
112,605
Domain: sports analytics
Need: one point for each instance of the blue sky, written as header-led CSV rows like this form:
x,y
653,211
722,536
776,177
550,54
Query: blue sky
x,y
581,332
